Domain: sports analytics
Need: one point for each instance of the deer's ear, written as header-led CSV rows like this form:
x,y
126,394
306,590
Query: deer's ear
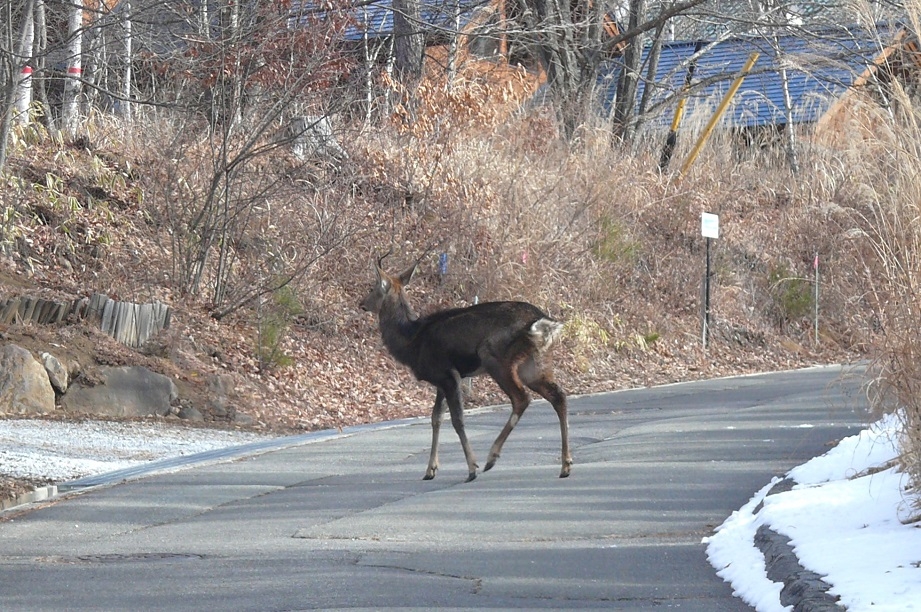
x,y
383,281
408,275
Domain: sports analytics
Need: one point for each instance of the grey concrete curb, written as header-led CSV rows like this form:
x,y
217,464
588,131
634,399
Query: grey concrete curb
x,y
36,495
803,589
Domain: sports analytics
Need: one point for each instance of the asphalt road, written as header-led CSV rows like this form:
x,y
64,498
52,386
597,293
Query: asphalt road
x,y
347,521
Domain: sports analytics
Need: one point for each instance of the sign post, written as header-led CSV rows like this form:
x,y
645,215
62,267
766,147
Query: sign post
x,y
815,266
709,229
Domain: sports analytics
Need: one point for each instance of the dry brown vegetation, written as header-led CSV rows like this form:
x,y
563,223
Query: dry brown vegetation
x,y
887,207
590,231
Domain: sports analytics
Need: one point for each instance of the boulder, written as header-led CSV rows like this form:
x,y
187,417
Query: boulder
x,y
24,386
220,392
126,391
57,373
312,137
241,418
190,413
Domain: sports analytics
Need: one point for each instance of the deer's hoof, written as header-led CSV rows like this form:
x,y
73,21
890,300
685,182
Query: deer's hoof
x,y
429,474
565,471
490,464
471,476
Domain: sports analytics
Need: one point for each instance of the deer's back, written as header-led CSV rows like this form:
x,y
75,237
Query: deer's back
x,y
460,338
482,319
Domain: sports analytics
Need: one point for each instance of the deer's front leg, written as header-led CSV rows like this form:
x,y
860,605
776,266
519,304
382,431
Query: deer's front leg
x,y
456,406
437,413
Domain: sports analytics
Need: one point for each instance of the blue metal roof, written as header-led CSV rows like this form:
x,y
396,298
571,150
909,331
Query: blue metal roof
x,y
818,71
376,17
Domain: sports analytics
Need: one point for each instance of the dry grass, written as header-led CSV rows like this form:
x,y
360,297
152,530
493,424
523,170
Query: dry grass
x,y
592,233
885,201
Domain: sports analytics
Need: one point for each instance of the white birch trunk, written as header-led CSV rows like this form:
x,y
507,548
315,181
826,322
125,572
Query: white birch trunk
x,y
24,66
204,21
236,36
790,129
369,68
72,82
125,106
453,49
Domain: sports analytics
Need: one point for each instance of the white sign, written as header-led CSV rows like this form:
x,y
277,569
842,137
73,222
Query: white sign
x,y
709,225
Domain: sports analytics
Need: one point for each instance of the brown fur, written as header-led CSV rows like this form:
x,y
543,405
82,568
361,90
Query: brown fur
x,y
506,340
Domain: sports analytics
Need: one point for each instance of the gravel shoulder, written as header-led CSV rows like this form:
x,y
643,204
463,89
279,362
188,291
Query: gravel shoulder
x,y
39,451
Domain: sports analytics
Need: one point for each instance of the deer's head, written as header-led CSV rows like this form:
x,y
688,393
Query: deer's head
x,y
387,289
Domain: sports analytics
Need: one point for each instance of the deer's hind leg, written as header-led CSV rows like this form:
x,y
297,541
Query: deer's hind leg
x,y
544,385
437,413
506,376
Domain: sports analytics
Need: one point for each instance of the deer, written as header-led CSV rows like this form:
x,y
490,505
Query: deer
x,y
505,340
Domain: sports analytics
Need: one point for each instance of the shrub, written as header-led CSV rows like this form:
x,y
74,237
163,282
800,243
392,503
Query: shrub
x,y
614,244
793,297
273,321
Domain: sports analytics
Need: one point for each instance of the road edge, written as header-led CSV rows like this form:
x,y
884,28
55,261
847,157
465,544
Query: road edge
x,y
803,589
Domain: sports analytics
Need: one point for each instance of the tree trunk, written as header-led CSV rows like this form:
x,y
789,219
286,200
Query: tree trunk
x,y
409,42
370,63
625,105
39,88
652,67
72,83
409,47
559,56
453,47
23,66
11,90
204,21
125,104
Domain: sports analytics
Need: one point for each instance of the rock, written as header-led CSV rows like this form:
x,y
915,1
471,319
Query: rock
x,y
312,137
24,385
57,373
220,391
243,419
191,413
124,392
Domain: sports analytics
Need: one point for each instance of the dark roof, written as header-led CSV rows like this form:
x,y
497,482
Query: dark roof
x,y
376,17
819,69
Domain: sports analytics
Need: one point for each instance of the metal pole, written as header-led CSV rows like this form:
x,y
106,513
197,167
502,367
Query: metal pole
x,y
815,265
706,329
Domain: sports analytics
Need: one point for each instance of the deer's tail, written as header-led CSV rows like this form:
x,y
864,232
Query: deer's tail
x,y
544,332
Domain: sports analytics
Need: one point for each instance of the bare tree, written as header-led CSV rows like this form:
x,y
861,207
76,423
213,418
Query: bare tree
x,y
566,37
15,69
569,42
409,46
633,53
73,81
248,79
409,41
23,93
712,21
127,76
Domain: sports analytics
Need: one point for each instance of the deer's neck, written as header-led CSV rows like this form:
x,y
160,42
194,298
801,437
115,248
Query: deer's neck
x,y
398,325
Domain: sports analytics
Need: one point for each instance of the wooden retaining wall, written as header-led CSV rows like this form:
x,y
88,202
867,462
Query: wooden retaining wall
x,y
129,323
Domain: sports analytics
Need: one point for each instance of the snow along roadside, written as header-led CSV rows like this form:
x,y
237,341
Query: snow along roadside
x,y
848,517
